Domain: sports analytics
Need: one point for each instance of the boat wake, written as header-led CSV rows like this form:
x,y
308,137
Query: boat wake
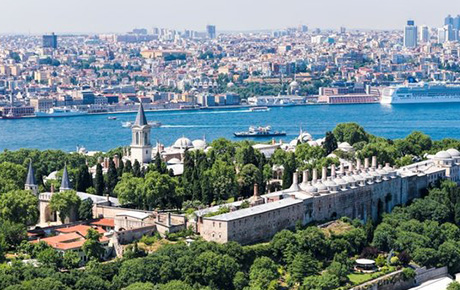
x,y
197,126
201,112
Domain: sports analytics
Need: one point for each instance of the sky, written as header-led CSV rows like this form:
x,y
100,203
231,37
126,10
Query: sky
x,y
105,16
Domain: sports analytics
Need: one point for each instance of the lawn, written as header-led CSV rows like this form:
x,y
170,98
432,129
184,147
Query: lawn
x,y
358,278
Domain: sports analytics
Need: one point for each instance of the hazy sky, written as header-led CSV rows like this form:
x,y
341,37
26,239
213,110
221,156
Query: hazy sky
x,y
38,16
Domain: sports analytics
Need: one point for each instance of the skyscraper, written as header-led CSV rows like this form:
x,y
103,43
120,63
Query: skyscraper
x,y
424,34
456,25
211,31
449,20
50,41
410,34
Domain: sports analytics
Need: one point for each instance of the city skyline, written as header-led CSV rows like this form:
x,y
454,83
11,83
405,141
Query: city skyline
x,y
110,16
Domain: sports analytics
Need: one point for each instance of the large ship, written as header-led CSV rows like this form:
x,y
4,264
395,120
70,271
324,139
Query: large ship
x,y
259,132
60,112
421,93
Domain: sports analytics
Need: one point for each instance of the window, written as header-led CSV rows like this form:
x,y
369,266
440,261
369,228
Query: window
x,y
220,225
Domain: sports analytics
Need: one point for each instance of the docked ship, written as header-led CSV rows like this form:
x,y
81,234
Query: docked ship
x,y
259,132
421,93
275,101
60,112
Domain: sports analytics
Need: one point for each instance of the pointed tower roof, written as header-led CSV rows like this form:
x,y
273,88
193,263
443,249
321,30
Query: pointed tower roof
x,y
141,120
65,183
31,175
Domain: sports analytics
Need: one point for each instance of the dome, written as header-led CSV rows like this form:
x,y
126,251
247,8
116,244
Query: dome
x,y
443,155
358,177
330,183
230,85
340,181
309,188
174,161
453,152
294,83
345,146
199,144
183,143
304,137
312,143
349,178
320,186
293,143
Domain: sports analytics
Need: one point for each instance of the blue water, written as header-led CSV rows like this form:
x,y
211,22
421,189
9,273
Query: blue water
x,y
96,132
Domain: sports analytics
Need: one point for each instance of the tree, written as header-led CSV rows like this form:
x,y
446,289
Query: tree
x,y
120,169
454,286
240,281
85,210
130,190
12,177
50,257
112,177
70,260
223,180
248,176
147,286
326,281
66,203
262,272
137,169
303,265
99,180
83,179
128,167
92,282
350,132
92,247
330,143
11,234
19,206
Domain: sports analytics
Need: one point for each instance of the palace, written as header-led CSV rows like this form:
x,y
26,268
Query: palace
x,y
358,191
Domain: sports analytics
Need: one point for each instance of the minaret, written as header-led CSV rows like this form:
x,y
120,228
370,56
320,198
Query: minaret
x,y
31,183
141,149
65,183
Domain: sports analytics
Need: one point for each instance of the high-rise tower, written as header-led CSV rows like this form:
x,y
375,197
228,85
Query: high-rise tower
x,y
410,34
141,148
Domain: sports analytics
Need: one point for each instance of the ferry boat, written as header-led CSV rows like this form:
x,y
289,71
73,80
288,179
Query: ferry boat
x,y
259,109
259,132
60,112
421,93
11,115
111,118
275,101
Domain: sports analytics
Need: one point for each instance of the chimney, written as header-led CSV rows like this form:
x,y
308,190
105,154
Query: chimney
x,y
273,141
366,163
116,160
358,164
350,168
305,176
315,175
106,162
342,168
374,162
333,170
295,178
52,188
256,189
324,173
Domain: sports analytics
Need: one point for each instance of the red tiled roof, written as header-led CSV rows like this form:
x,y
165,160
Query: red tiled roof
x,y
80,229
104,222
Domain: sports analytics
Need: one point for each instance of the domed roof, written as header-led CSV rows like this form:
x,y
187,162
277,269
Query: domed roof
x,y
320,186
345,146
349,178
230,85
293,143
329,182
183,143
443,155
294,83
453,152
358,177
304,137
308,188
174,161
199,144
340,181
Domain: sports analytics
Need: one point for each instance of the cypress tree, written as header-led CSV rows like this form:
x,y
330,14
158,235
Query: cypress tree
x,y
137,169
112,177
128,167
83,179
99,180
120,169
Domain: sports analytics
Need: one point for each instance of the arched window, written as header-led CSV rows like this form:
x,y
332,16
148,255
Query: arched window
x,y
137,138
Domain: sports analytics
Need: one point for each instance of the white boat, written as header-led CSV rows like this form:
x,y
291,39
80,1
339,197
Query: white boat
x,y
60,112
275,101
421,93
259,109
126,124
154,124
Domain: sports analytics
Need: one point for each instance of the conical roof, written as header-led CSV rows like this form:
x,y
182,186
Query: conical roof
x,y
141,120
65,183
31,175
